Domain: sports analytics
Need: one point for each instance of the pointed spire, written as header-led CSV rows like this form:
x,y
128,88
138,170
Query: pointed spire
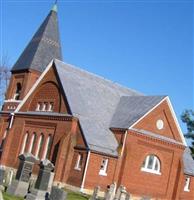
x,y
43,47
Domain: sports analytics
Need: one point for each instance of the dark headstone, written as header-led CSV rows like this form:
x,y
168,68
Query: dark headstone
x,y
42,183
57,194
20,185
25,167
40,191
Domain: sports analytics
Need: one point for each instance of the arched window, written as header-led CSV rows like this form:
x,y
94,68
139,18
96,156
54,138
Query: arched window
x,y
18,91
24,143
38,106
34,142
50,108
47,148
31,143
39,146
151,164
78,165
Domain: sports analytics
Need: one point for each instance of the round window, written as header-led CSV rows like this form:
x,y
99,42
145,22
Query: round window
x,y
160,124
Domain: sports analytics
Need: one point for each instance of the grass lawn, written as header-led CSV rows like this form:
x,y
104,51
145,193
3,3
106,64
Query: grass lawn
x,y
70,196
9,197
76,196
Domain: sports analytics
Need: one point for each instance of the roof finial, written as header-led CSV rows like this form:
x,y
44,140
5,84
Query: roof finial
x,y
54,8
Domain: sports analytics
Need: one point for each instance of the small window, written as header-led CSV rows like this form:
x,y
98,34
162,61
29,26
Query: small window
x,y
38,107
17,92
24,144
151,164
187,184
103,167
79,162
50,108
44,106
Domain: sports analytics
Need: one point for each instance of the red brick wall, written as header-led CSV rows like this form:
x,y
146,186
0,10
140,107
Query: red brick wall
x,y
161,112
47,91
76,176
26,79
144,183
93,178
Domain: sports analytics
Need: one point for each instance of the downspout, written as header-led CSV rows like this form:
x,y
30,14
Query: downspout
x,y
11,121
124,141
118,164
85,171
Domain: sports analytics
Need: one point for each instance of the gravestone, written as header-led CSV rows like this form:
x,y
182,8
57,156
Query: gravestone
x,y
58,194
110,194
95,193
118,193
8,177
2,175
127,196
124,195
40,191
19,186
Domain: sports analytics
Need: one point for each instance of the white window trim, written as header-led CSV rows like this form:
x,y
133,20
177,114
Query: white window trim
x,y
153,171
50,108
77,166
16,95
187,184
24,143
31,143
46,148
103,172
38,146
150,171
38,106
44,106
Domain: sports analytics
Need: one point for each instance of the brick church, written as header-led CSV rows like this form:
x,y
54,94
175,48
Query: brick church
x,y
94,131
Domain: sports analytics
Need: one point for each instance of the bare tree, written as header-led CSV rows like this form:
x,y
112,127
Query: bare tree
x,y
4,77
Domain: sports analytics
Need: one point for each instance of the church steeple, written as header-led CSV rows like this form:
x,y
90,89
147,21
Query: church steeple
x,y
43,47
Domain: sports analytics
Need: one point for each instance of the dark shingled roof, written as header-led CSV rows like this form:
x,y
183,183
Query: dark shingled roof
x,y
132,108
188,162
93,100
44,46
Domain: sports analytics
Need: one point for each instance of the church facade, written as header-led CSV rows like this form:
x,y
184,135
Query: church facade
x,y
94,131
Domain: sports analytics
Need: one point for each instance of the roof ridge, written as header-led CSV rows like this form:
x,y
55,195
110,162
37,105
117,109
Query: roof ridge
x,y
99,76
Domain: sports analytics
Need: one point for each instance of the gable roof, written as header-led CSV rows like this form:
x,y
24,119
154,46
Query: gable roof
x,y
155,135
132,108
97,102
93,100
43,47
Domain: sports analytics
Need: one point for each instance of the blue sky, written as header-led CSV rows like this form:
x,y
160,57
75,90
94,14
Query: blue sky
x,y
144,45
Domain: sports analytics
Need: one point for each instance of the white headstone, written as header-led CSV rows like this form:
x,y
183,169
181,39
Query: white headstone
x,y
111,192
